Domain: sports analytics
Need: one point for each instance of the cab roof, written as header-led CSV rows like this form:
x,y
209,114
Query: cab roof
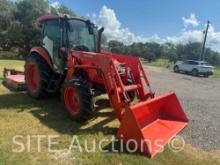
x,y
54,17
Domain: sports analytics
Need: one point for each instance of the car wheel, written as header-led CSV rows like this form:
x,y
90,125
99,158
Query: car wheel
x,y
176,69
195,72
206,75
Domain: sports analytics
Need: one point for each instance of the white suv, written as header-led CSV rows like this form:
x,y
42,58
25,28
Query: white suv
x,y
195,68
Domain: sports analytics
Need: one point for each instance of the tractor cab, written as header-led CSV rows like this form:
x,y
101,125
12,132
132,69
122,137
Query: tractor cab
x,y
68,33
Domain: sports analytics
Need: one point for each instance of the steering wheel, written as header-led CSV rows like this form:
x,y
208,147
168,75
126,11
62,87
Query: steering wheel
x,y
81,48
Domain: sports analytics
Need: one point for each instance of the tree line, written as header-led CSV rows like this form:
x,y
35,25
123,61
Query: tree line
x,y
173,52
19,31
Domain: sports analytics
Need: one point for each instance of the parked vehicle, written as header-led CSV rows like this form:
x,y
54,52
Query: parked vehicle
x,y
195,68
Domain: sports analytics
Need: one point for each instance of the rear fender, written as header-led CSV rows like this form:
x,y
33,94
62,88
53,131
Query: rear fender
x,y
43,53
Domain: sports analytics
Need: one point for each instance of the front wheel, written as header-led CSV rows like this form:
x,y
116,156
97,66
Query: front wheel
x,y
77,99
176,69
206,75
195,72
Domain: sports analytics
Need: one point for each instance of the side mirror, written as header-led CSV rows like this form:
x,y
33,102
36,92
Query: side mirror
x,y
100,31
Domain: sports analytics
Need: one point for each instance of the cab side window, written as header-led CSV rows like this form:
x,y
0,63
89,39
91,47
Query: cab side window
x,y
52,30
52,40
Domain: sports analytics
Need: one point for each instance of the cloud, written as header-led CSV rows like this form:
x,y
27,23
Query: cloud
x,y
114,31
191,21
55,4
213,39
186,36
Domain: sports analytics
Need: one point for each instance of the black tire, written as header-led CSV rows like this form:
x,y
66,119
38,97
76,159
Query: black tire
x,y
195,72
43,69
176,69
86,100
206,75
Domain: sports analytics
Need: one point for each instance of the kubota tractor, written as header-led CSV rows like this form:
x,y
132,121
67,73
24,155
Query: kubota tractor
x,y
70,60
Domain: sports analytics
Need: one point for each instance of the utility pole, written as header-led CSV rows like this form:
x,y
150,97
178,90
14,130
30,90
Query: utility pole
x,y
203,46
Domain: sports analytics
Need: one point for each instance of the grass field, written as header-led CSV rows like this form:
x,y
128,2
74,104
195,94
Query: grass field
x,y
159,63
216,72
22,115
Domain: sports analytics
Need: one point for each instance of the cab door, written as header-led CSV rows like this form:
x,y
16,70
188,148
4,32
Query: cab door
x,y
52,41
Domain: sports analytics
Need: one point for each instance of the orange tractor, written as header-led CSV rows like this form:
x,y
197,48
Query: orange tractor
x,y
70,60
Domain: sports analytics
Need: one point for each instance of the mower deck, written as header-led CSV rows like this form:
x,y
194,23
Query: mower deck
x,y
14,80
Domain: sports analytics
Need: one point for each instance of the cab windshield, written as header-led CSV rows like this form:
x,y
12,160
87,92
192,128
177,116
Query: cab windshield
x,y
81,36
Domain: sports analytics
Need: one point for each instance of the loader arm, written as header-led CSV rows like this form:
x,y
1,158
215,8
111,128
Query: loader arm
x,y
117,91
151,118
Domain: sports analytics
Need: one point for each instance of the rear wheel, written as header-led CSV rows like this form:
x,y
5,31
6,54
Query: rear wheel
x,y
36,75
176,69
77,99
195,72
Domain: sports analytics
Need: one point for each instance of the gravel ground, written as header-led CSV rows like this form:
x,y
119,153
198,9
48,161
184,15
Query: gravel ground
x,y
200,98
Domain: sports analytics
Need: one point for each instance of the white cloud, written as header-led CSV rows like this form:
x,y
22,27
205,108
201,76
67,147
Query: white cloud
x,y
213,39
187,36
55,4
191,21
114,31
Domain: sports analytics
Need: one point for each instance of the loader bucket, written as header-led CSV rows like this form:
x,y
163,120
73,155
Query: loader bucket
x,y
149,125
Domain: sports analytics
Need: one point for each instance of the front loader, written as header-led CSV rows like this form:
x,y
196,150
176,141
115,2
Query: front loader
x,y
70,60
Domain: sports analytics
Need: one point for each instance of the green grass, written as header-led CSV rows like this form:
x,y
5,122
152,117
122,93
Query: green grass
x,y
216,73
159,63
22,115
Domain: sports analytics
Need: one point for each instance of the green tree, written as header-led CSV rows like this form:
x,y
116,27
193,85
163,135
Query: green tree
x,y
27,12
7,9
61,10
212,57
6,13
155,49
193,51
18,25
104,43
116,46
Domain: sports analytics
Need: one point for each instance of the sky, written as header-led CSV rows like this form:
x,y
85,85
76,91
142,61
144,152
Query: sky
x,y
176,21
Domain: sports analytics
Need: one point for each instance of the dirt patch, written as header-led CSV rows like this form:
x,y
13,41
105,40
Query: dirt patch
x,y
200,98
